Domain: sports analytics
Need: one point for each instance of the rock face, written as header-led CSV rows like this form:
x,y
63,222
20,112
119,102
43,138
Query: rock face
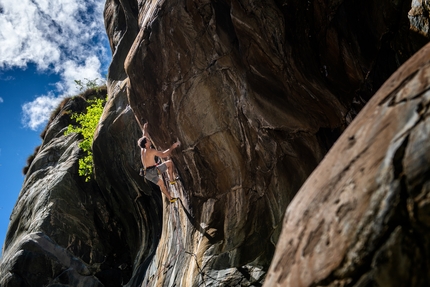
x,y
362,217
418,17
257,92
64,230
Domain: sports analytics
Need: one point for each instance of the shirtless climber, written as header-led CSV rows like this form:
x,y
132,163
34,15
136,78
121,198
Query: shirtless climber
x,y
148,155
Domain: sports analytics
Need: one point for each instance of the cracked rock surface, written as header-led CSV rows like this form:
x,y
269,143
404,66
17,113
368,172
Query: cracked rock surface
x,y
362,217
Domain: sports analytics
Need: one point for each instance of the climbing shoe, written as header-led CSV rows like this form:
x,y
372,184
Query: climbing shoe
x,y
174,199
172,182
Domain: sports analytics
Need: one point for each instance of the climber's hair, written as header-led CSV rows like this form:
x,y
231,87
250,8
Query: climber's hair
x,y
142,142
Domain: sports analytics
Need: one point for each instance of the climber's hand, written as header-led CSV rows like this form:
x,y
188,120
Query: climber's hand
x,y
176,144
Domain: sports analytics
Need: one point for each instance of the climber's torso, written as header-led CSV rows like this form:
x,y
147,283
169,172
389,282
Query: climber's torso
x,y
148,157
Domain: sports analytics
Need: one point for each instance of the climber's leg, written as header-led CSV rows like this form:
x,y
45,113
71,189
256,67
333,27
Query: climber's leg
x,y
170,168
163,188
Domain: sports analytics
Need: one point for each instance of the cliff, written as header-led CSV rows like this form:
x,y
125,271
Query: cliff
x,y
257,92
362,218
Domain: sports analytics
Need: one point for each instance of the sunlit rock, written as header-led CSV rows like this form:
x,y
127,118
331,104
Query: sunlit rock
x,y
362,217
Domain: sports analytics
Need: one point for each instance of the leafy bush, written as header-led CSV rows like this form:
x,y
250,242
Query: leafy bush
x,y
88,84
86,126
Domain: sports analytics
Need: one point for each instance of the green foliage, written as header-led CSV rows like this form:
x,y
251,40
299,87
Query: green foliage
x,y
88,84
86,126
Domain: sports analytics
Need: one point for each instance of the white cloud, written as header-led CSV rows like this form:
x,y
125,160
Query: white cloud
x,y
60,36
1,100
38,111
48,32
73,71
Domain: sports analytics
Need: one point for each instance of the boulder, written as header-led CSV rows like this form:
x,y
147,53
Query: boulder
x,y
362,217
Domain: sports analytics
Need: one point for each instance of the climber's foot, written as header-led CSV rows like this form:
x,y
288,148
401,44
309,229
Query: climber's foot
x,y
172,182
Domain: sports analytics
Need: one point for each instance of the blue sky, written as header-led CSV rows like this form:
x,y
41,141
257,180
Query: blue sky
x,y
45,45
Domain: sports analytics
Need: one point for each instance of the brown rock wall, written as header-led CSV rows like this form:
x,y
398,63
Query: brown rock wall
x,y
361,217
257,92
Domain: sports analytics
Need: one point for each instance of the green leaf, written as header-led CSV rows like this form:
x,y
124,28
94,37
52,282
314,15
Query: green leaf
x,y
86,126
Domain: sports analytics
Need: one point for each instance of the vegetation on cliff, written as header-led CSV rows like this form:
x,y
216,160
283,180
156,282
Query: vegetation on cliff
x,y
70,106
86,124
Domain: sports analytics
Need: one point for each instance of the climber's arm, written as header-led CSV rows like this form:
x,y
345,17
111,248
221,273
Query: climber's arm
x,y
167,152
145,129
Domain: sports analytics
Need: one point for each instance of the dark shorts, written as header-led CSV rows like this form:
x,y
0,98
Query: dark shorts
x,y
152,173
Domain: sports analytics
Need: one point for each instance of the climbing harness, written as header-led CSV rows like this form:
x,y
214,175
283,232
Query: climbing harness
x,y
143,170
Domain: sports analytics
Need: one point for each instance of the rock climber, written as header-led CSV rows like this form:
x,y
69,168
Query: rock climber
x,y
151,168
